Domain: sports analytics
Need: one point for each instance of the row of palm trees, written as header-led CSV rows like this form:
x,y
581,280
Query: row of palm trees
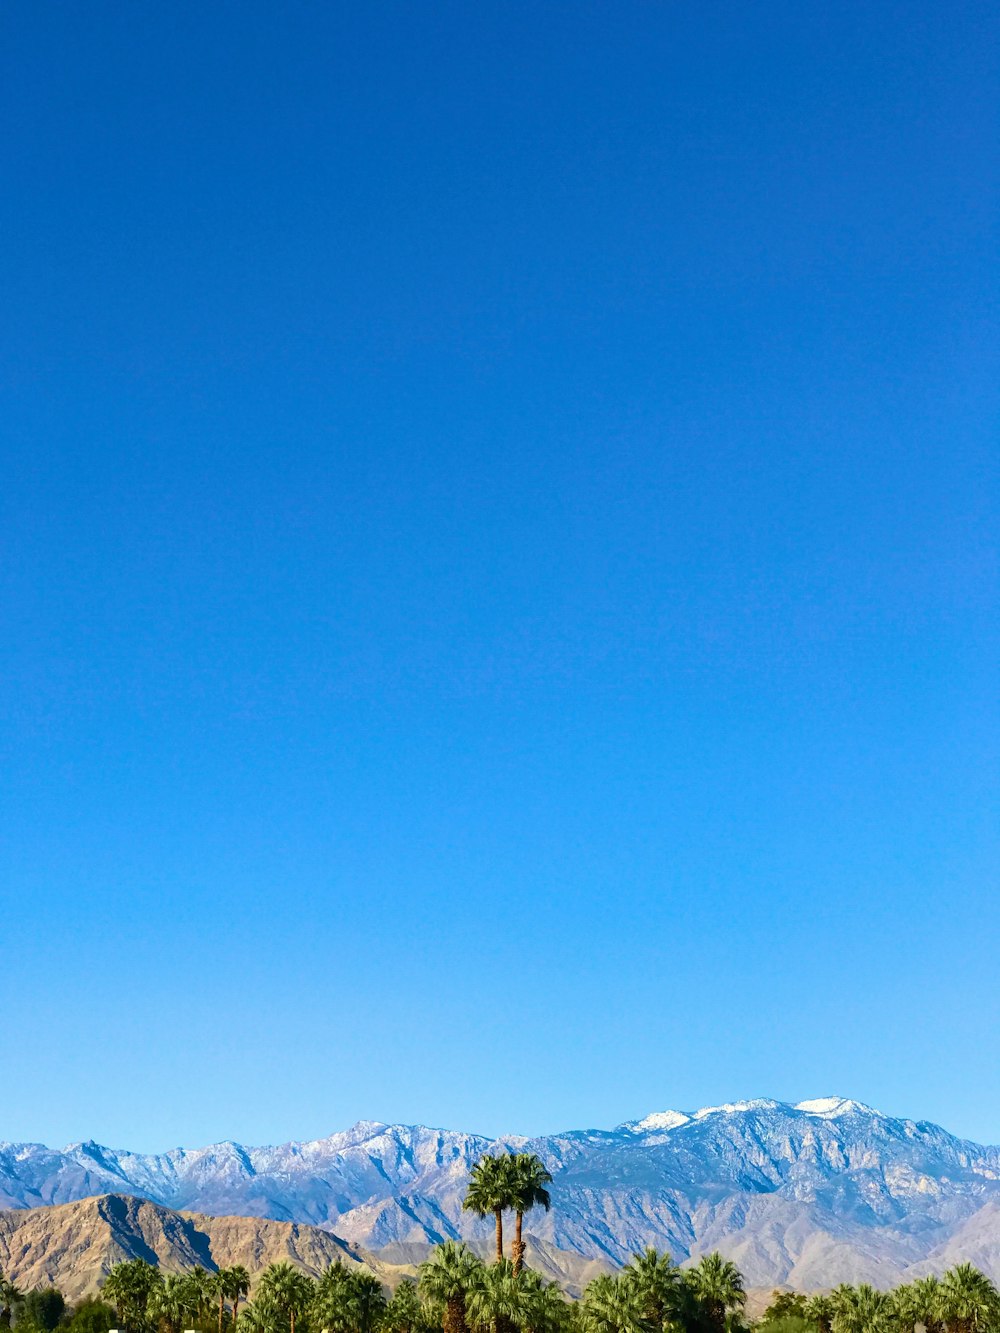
x,y
652,1295
285,1300
963,1300
458,1293
144,1297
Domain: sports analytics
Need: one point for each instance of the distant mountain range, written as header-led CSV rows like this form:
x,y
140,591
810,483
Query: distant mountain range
x,y
808,1195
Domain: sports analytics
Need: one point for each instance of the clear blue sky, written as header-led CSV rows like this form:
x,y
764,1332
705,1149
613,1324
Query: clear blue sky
x,y
499,577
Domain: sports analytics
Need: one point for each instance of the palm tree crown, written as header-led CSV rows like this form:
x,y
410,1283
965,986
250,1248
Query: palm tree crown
x,y
173,1302
287,1288
528,1178
613,1305
447,1278
718,1286
491,1190
9,1297
657,1282
861,1309
968,1300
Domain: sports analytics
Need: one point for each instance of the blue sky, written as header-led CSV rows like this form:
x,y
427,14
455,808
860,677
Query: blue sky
x,y
499,564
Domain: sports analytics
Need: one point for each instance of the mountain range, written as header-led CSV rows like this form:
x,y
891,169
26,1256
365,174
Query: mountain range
x,y
73,1246
808,1195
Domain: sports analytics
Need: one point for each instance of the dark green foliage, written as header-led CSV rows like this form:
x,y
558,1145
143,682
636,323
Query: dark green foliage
x,y
659,1286
41,1310
10,1298
446,1280
491,1190
405,1313
788,1313
784,1304
719,1296
128,1287
787,1323
528,1179
91,1316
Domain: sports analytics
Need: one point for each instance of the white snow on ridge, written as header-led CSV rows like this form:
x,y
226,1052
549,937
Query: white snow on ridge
x,y
661,1120
830,1107
734,1108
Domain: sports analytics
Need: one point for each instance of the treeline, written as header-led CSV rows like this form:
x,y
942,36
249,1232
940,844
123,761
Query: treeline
x,y
457,1292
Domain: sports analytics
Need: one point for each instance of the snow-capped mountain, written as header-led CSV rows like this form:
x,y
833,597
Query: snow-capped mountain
x,y
824,1191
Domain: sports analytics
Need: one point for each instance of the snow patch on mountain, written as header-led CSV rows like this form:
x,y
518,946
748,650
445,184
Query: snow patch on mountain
x,y
834,1106
659,1120
737,1108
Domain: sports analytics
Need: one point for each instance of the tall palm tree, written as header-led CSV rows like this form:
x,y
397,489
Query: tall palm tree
x,y
968,1300
287,1288
657,1282
368,1302
233,1285
819,1311
613,1305
718,1286
173,1302
546,1310
219,1292
446,1278
114,1291
527,1190
903,1308
128,1287
499,1302
925,1294
861,1309
404,1312
333,1300
259,1316
9,1297
491,1190
203,1288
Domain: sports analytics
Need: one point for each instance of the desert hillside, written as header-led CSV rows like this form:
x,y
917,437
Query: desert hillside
x,y
73,1245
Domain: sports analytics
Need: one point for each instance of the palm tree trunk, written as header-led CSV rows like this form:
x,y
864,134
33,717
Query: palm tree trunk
x,y
222,1301
291,1316
518,1246
454,1316
499,1217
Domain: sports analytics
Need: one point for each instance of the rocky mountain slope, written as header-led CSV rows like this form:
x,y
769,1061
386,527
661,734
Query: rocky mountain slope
x,y
73,1245
824,1191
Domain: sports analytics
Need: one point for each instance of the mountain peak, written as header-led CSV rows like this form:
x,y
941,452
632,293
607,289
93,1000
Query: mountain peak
x,y
831,1107
828,1108
737,1108
659,1120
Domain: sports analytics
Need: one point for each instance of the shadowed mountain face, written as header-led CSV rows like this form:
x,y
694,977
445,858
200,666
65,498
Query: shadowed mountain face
x,y
809,1195
73,1246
